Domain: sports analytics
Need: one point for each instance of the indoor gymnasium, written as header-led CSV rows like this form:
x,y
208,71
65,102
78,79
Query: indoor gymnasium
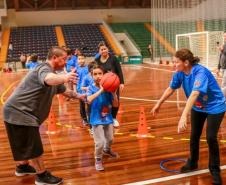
x,y
113,92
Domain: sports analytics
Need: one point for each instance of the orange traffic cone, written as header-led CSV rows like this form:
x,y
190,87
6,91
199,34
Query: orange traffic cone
x,y
142,128
52,128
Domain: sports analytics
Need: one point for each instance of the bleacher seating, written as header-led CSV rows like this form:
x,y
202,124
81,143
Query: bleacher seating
x,y
137,32
215,25
142,37
86,37
36,39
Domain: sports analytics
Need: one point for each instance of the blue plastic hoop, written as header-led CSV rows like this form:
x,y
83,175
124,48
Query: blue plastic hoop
x,y
171,159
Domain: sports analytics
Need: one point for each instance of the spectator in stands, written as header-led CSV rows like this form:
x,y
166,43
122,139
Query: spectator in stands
x,y
23,59
110,63
10,50
151,52
33,62
83,47
222,65
28,107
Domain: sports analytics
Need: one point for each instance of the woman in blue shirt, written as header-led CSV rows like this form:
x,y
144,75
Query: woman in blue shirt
x,y
205,102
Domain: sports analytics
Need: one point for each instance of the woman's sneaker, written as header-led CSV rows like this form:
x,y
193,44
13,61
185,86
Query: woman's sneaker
x,y
47,179
188,167
217,180
24,169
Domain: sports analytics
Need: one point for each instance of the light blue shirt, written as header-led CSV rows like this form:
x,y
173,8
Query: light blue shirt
x,y
100,108
31,65
82,72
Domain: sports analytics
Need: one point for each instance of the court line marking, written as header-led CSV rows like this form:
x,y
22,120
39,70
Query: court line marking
x,y
6,91
172,177
153,68
158,69
150,100
135,135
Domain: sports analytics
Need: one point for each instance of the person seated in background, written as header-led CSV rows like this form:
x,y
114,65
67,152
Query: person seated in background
x,y
33,62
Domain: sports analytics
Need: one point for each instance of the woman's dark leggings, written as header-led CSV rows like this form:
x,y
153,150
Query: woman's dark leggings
x,y
213,125
115,109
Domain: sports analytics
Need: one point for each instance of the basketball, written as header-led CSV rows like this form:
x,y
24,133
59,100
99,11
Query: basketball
x,y
110,82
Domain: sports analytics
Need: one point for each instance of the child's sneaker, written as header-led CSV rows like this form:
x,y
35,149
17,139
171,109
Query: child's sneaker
x,y
47,179
85,123
24,169
110,153
115,123
91,131
99,165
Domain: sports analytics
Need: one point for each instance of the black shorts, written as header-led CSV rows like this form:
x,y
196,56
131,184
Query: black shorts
x,y
25,141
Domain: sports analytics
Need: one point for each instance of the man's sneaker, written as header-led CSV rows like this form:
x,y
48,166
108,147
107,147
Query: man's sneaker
x,y
188,167
24,169
110,153
99,165
47,179
115,123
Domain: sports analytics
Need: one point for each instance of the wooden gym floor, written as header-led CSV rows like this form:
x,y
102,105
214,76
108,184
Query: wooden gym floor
x,y
69,152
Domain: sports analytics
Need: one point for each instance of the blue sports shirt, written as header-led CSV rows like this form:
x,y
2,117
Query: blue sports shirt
x,y
82,72
100,108
211,99
71,63
87,81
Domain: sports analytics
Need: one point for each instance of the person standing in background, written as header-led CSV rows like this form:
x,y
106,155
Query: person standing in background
x,y
151,52
222,65
110,63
